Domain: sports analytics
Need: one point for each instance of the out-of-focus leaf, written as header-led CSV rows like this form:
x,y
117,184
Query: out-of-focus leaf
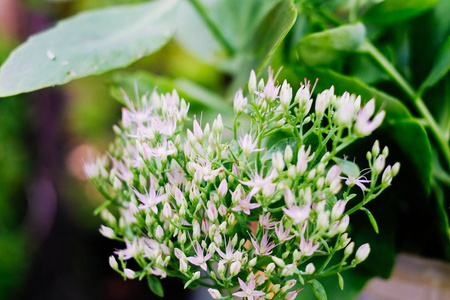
x,y
440,67
143,82
442,216
155,285
254,28
89,43
390,11
410,134
349,168
399,123
324,48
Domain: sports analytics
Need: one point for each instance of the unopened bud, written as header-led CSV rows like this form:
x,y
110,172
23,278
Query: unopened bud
x,y
310,268
113,262
235,268
362,253
214,293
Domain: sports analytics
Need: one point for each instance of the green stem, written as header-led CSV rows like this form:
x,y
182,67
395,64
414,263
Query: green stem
x,y
415,100
212,26
390,69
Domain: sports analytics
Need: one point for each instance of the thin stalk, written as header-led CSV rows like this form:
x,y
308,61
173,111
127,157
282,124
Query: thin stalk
x,y
415,100
212,26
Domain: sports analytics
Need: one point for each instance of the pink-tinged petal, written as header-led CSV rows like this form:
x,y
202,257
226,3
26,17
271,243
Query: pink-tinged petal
x,y
247,211
250,298
258,293
253,205
236,208
240,294
192,260
242,284
207,257
204,267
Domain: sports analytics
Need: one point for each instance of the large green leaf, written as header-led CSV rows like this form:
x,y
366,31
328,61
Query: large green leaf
x,y
89,43
412,138
440,67
390,11
399,123
143,82
325,47
253,28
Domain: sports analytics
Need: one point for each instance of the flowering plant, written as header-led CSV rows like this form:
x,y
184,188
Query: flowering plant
x,y
250,216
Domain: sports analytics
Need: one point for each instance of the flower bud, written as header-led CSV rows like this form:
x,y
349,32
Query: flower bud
x,y
278,161
252,83
196,275
279,261
310,268
379,164
343,224
107,232
218,125
292,172
395,169
349,249
338,210
214,293
270,268
129,273
239,102
323,220
183,266
221,269
362,253
275,288
289,284
376,148
159,232
252,262
231,219
235,268
386,178
113,262
223,188
288,154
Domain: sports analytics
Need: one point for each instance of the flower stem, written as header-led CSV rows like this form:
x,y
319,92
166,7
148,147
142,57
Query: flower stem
x,y
415,99
212,26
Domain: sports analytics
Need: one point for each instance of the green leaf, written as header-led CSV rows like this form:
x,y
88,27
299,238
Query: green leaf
x,y
371,219
440,67
410,134
341,281
254,29
87,44
280,146
318,290
155,285
391,11
146,82
347,167
324,48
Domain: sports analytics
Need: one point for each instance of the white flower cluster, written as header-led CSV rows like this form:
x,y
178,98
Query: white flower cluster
x,y
246,217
